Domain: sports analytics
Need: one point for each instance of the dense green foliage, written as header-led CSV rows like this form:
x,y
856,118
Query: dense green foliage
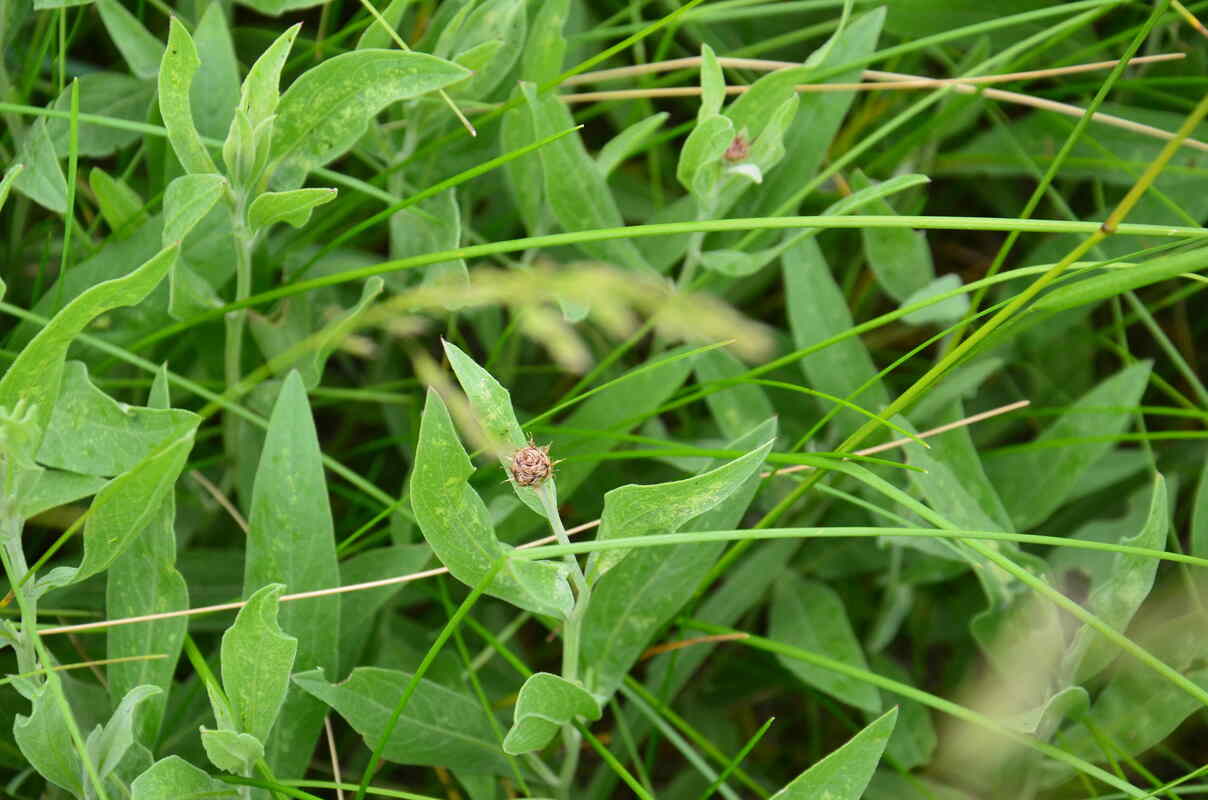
x,y
349,299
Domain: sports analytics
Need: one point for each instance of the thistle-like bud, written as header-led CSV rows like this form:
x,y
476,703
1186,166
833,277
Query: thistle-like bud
x,y
531,465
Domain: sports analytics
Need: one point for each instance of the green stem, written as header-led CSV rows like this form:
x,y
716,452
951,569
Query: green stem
x,y
571,638
15,567
236,321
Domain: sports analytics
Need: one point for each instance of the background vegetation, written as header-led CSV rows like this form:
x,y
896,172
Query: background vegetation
x,y
272,267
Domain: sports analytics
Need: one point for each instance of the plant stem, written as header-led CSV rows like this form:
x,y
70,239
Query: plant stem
x,y
571,638
15,566
236,321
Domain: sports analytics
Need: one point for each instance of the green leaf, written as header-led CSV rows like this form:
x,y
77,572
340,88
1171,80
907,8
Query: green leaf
x,y
944,312
274,8
43,5
899,257
700,164
635,510
358,610
525,176
108,94
173,778
1199,515
257,658
42,179
578,194
117,737
633,602
122,207
92,434
1035,481
745,585
215,90
329,107
144,580
55,488
6,185
35,376
260,93
810,615
953,481
1117,599
492,406
375,35
438,727
546,48
913,741
190,294
817,310
44,738
180,63
503,21
298,327
231,751
186,202
845,773
294,207
457,525
712,84
137,45
124,507
737,408
1138,709
291,540
430,226
546,703
628,142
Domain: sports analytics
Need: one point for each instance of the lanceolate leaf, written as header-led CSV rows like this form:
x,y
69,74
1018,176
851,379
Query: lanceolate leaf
x,y
664,508
41,178
1117,599
137,45
546,703
117,737
439,727
326,110
899,257
291,540
577,193
144,580
257,659
643,593
37,372
1034,482
845,773
818,311
493,411
260,93
810,615
176,71
456,522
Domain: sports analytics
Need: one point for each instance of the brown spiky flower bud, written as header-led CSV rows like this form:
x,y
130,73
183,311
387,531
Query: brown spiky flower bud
x,y
531,465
